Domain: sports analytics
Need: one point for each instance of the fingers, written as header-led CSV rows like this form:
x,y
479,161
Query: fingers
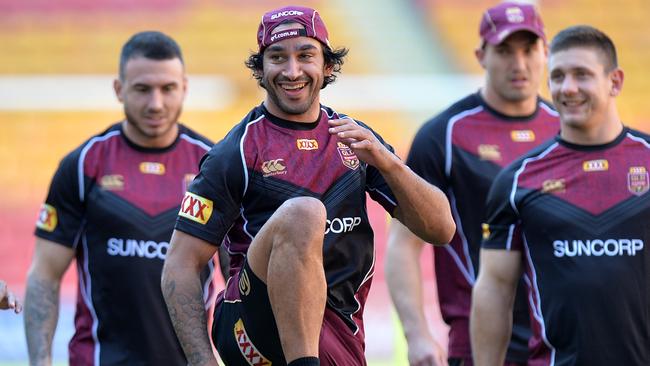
x,y
350,133
8,300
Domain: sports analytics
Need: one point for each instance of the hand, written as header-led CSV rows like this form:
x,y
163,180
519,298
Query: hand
x,y
425,351
362,142
8,300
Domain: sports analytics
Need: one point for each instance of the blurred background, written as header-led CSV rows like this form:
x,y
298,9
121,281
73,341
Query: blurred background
x,y
408,60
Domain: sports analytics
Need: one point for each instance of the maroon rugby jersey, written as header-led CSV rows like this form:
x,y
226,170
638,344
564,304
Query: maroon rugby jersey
x,y
460,151
264,161
115,204
580,214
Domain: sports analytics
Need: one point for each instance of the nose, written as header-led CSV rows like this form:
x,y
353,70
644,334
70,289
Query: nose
x,y
292,69
155,102
519,60
569,85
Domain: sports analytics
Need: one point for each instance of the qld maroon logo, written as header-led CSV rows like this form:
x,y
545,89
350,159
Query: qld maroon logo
x,y
348,156
638,181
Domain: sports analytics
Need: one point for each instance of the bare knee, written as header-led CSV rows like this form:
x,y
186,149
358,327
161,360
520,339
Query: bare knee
x,y
306,212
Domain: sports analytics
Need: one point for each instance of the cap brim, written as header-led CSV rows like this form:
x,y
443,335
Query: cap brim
x,y
507,32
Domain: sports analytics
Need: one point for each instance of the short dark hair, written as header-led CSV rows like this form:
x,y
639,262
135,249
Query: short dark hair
x,y
334,58
586,36
152,45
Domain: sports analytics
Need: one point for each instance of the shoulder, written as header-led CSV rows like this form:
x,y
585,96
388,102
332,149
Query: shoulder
x,y
194,137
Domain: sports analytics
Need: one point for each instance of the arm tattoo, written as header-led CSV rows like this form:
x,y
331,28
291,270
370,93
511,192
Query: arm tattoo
x,y
187,312
41,315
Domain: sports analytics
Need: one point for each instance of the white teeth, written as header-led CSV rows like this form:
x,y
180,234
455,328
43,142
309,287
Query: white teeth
x,y
293,87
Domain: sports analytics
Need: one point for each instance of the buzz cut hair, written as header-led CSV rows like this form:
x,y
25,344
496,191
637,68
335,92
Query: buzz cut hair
x,y
153,45
585,36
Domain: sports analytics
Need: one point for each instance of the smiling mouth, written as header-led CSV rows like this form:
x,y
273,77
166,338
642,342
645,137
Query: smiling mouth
x,y
293,86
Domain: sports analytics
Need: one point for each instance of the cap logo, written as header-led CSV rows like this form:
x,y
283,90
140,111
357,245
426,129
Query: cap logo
x,y
286,13
280,35
515,15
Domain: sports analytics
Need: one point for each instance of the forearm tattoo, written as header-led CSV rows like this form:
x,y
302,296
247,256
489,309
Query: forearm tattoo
x,y
41,315
187,312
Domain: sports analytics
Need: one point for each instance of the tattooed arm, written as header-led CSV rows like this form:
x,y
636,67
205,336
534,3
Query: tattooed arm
x,y
42,298
181,287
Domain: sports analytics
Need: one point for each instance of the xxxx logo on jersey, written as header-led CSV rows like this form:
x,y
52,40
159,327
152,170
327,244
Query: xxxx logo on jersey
x,y
196,208
47,218
252,356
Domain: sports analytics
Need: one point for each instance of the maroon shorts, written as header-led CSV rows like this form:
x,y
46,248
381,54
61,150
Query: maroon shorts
x,y
245,333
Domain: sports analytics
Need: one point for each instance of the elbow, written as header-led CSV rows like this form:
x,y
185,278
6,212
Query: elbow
x,y
440,232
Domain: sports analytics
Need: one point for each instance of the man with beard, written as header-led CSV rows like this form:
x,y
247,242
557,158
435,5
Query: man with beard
x,y
112,205
460,151
287,188
572,216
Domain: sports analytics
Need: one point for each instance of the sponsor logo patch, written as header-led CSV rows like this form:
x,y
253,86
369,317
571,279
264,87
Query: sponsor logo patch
x,y
286,13
599,165
244,283
307,144
252,356
137,248
274,167
522,135
638,181
196,208
147,167
485,231
112,182
554,185
348,156
489,152
341,225
514,15
47,218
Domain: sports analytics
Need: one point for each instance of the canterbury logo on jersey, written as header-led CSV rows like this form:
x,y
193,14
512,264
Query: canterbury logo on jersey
x,y
196,208
489,152
47,218
554,185
252,356
599,165
597,247
307,144
112,182
152,168
274,167
137,248
522,135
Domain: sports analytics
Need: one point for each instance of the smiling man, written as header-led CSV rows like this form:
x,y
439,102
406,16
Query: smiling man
x,y
461,151
286,188
112,205
572,215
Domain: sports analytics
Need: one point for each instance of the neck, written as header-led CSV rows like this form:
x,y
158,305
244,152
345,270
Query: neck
x,y
521,108
593,132
309,116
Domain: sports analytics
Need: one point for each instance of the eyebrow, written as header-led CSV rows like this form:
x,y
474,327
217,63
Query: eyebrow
x,y
278,48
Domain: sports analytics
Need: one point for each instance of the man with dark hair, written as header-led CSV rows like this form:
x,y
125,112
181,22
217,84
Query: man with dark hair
x,y
8,300
572,216
287,188
460,151
111,205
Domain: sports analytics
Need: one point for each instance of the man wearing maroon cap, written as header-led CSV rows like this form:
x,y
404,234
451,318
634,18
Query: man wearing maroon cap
x,y
460,151
285,192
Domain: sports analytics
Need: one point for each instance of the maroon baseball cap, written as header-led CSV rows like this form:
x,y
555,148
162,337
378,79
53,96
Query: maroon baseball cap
x,y
502,20
307,17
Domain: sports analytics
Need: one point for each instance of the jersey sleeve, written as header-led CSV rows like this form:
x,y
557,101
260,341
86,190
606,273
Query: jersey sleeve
x,y
213,200
503,227
427,154
61,215
376,186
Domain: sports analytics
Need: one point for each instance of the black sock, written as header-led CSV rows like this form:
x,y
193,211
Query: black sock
x,y
305,361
